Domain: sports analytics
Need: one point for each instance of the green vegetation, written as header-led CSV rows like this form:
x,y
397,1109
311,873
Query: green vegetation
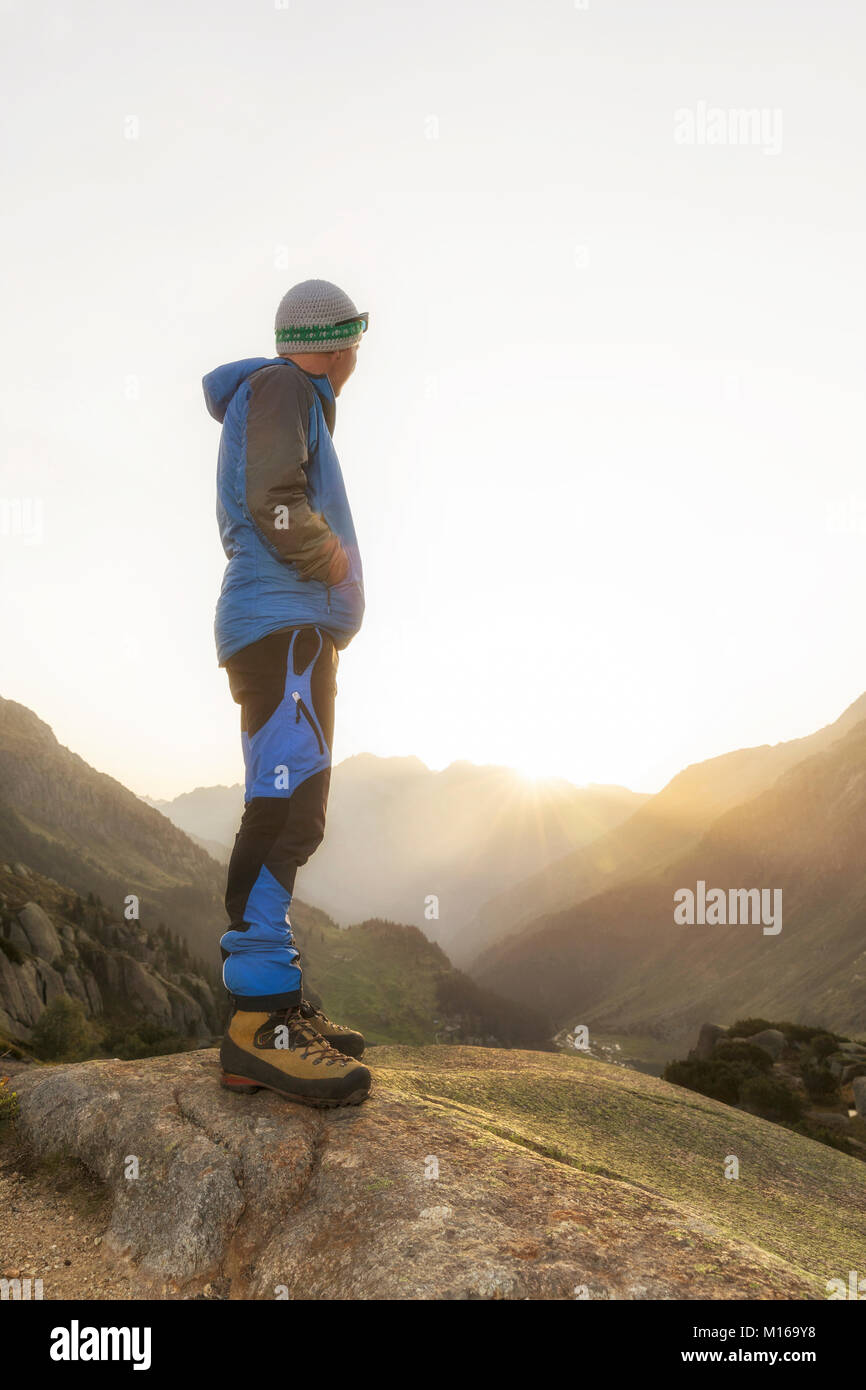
x,y
141,1038
821,1085
770,1097
745,1057
748,1027
822,1135
8,1100
63,1033
742,1074
822,1045
719,1080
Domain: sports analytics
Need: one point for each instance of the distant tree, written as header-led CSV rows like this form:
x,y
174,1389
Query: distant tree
x,y
719,1080
747,1027
820,1083
771,1098
63,1033
749,1058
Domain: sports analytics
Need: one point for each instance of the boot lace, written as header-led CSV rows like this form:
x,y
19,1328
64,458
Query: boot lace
x,y
309,1010
304,1037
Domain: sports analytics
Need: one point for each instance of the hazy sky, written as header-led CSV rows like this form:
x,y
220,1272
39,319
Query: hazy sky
x,y
605,442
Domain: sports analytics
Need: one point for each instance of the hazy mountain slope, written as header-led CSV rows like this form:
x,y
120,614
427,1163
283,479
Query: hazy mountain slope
x,y
395,985
660,830
208,815
619,961
61,817
398,833
67,829
386,979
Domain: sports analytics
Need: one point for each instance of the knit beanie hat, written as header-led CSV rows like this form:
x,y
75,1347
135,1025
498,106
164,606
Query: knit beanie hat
x,y
316,316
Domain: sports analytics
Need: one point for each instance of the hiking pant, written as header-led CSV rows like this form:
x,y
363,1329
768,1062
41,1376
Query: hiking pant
x,y
285,685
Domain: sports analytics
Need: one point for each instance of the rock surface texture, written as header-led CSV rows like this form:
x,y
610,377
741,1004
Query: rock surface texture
x,y
470,1174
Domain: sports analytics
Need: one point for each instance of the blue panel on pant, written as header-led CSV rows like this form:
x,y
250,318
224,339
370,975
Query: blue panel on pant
x,y
290,746
261,959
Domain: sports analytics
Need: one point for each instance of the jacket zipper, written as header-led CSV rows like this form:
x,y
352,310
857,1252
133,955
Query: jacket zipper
x,y
301,709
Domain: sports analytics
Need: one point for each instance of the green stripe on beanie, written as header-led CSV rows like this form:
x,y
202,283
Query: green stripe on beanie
x,y
317,333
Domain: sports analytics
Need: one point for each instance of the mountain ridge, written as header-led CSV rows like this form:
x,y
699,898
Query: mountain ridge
x,y
619,960
399,834
664,826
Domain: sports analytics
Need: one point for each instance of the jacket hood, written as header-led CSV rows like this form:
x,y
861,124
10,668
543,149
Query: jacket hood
x,y
220,385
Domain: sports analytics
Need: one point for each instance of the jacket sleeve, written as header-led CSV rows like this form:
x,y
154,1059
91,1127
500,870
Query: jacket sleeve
x,y
277,458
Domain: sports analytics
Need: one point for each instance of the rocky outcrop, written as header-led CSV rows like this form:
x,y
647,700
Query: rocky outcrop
x,y
710,1034
43,956
62,819
39,932
770,1040
20,1004
826,1080
469,1174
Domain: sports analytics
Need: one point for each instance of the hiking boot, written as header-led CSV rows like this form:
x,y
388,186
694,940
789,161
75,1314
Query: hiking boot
x,y
345,1040
283,1052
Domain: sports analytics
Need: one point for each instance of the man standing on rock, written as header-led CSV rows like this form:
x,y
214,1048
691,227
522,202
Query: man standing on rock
x,y
292,597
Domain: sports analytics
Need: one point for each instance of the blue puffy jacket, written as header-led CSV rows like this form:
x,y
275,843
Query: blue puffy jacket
x,y
282,509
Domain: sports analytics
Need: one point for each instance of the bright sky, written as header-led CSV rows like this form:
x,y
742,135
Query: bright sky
x,y
605,442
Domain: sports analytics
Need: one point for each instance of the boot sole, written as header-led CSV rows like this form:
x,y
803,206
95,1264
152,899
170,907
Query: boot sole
x,y
245,1087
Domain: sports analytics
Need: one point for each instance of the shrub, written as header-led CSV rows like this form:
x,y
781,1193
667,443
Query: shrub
x,y
823,1045
718,1080
820,1083
822,1135
744,1055
143,1039
799,1032
63,1033
8,1100
747,1027
770,1098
